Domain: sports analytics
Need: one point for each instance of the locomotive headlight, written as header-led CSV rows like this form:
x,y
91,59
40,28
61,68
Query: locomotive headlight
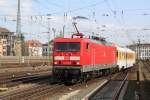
x,y
55,62
78,63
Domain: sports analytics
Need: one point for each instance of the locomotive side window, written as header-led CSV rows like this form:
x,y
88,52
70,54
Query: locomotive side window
x,y
117,54
87,46
67,46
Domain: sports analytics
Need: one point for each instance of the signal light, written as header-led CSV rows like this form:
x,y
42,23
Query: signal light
x,y
78,63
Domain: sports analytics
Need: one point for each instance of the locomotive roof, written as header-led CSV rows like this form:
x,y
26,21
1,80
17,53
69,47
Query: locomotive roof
x,y
68,39
103,42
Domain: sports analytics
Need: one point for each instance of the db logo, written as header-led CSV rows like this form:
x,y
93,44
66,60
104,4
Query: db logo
x,y
67,58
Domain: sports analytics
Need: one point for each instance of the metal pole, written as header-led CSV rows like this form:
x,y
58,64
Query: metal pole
x,y
18,32
64,30
65,17
49,30
139,42
18,27
10,38
54,31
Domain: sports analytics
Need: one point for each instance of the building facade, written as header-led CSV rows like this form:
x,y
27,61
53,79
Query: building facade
x,y
6,42
3,47
33,48
142,50
47,49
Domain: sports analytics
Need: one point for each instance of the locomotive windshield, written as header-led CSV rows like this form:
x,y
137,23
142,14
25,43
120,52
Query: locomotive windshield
x,y
67,46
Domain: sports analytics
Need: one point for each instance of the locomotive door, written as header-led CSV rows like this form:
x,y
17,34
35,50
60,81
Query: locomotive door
x,y
93,59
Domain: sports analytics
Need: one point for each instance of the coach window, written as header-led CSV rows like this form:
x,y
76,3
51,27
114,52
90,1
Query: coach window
x,y
87,46
128,55
119,55
124,55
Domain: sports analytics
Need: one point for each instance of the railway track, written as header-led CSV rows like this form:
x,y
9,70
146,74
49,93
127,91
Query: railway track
x,y
113,89
147,66
18,74
11,80
143,86
44,90
26,92
18,65
146,70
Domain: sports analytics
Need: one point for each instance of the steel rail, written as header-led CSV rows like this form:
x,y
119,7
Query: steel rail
x,y
21,93
115,97
12,81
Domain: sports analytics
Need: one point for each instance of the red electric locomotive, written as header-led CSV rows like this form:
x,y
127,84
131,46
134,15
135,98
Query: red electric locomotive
x,y
82,58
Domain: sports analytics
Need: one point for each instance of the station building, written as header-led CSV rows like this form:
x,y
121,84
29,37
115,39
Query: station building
x,y
142,50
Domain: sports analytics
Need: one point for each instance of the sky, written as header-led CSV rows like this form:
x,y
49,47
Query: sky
x,y
122,22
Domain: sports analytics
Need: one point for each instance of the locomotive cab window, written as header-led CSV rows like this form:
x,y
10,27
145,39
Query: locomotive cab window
x,y
67,46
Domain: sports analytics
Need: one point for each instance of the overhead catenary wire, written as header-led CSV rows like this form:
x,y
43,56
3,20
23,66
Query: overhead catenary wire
x,y
120,23
54,4
42,16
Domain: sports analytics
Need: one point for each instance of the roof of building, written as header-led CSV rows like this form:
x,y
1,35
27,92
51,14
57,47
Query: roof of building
x,y
3,30
33,43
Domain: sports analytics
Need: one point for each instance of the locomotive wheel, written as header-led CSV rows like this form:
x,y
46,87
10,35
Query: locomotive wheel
x,y
86,77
